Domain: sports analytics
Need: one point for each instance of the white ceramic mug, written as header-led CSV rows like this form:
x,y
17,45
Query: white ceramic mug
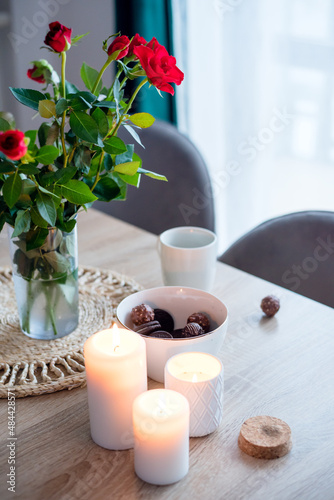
x,y
188,257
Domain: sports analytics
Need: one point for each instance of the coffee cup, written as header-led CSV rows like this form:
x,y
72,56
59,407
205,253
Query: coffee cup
x,y
188,257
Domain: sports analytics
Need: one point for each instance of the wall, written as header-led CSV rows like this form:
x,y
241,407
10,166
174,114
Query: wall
x,y
21,39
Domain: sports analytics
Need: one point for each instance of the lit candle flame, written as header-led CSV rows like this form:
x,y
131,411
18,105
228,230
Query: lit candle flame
x,y
194,379
116,339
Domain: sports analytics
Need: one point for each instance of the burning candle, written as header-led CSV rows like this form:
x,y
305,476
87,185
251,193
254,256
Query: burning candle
x,y
200,378
116,373
161,434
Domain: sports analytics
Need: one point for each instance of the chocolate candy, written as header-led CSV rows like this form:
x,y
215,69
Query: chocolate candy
x,y
177,334
160,334
270,305
148,328
142,314
165,319
201,319
192,330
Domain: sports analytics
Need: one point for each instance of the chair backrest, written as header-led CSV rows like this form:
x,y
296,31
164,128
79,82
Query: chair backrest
x,y
295,251
186,199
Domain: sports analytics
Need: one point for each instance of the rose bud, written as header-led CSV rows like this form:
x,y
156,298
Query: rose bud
x,y
12,144
120,42
135,42
36,74
59,37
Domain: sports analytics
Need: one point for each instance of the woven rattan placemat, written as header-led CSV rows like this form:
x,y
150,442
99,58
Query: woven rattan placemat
x,y
33,367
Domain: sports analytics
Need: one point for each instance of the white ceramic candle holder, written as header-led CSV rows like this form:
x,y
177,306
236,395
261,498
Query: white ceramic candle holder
x,y
200,378
116,373
161,433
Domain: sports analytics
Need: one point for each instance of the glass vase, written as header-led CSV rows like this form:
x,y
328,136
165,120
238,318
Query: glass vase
x,y
46,283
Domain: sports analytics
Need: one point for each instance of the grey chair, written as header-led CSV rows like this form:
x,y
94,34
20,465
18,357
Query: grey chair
x,y
295,251
186,199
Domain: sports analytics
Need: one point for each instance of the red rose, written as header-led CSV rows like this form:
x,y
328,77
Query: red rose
x,y
120,42
135,42
59,37
160,67
30,74
12,144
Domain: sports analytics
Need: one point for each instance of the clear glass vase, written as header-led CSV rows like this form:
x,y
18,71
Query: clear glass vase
x,y
46,284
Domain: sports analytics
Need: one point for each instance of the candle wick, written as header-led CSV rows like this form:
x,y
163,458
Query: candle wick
x,y
117,347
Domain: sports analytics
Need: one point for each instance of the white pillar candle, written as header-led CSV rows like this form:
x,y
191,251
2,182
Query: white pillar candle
x,y
116,373
200,378
161,433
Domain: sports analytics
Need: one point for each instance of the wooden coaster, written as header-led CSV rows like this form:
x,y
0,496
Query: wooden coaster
x,y
265,437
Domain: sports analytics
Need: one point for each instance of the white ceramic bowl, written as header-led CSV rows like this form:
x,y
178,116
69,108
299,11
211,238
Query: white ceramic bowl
x,y
180,302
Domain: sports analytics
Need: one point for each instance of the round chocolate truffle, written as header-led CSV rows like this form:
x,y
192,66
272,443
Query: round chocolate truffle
x,y
192,330
142,314
201,319
270,305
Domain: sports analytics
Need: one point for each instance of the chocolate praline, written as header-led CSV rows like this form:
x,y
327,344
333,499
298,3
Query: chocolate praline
x,y
270,305
142,314
192,330
201,319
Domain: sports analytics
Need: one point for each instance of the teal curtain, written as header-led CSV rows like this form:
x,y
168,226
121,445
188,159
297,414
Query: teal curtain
x,y
149,18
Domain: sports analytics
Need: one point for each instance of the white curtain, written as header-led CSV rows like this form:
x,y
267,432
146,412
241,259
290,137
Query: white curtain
x,y
258,101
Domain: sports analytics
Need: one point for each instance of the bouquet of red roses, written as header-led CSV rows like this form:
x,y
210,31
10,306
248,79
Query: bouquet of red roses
x,y
75,157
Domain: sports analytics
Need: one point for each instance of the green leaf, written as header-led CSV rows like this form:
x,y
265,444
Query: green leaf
x,y
75,39
66,226
37,218
64,175
36,238
114,146
159,177
106,189
134,180
7,168
4,125
59,263
47,154
101,121
46,208
78,103
28,97
49,193
28,169
84,126
11,189
32,134
128,168
127,156
28,186
87,96
89,76
77,192
105,104
2,221
22,223
142,120
134,135
61,106
70,88
47,108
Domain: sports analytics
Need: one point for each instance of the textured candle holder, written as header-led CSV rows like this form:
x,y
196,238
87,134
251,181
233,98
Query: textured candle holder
x,y
205,395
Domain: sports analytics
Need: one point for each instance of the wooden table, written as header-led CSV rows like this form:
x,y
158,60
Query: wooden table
x,y
282,367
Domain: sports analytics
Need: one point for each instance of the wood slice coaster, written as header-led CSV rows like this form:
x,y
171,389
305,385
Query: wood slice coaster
x,y
265,437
